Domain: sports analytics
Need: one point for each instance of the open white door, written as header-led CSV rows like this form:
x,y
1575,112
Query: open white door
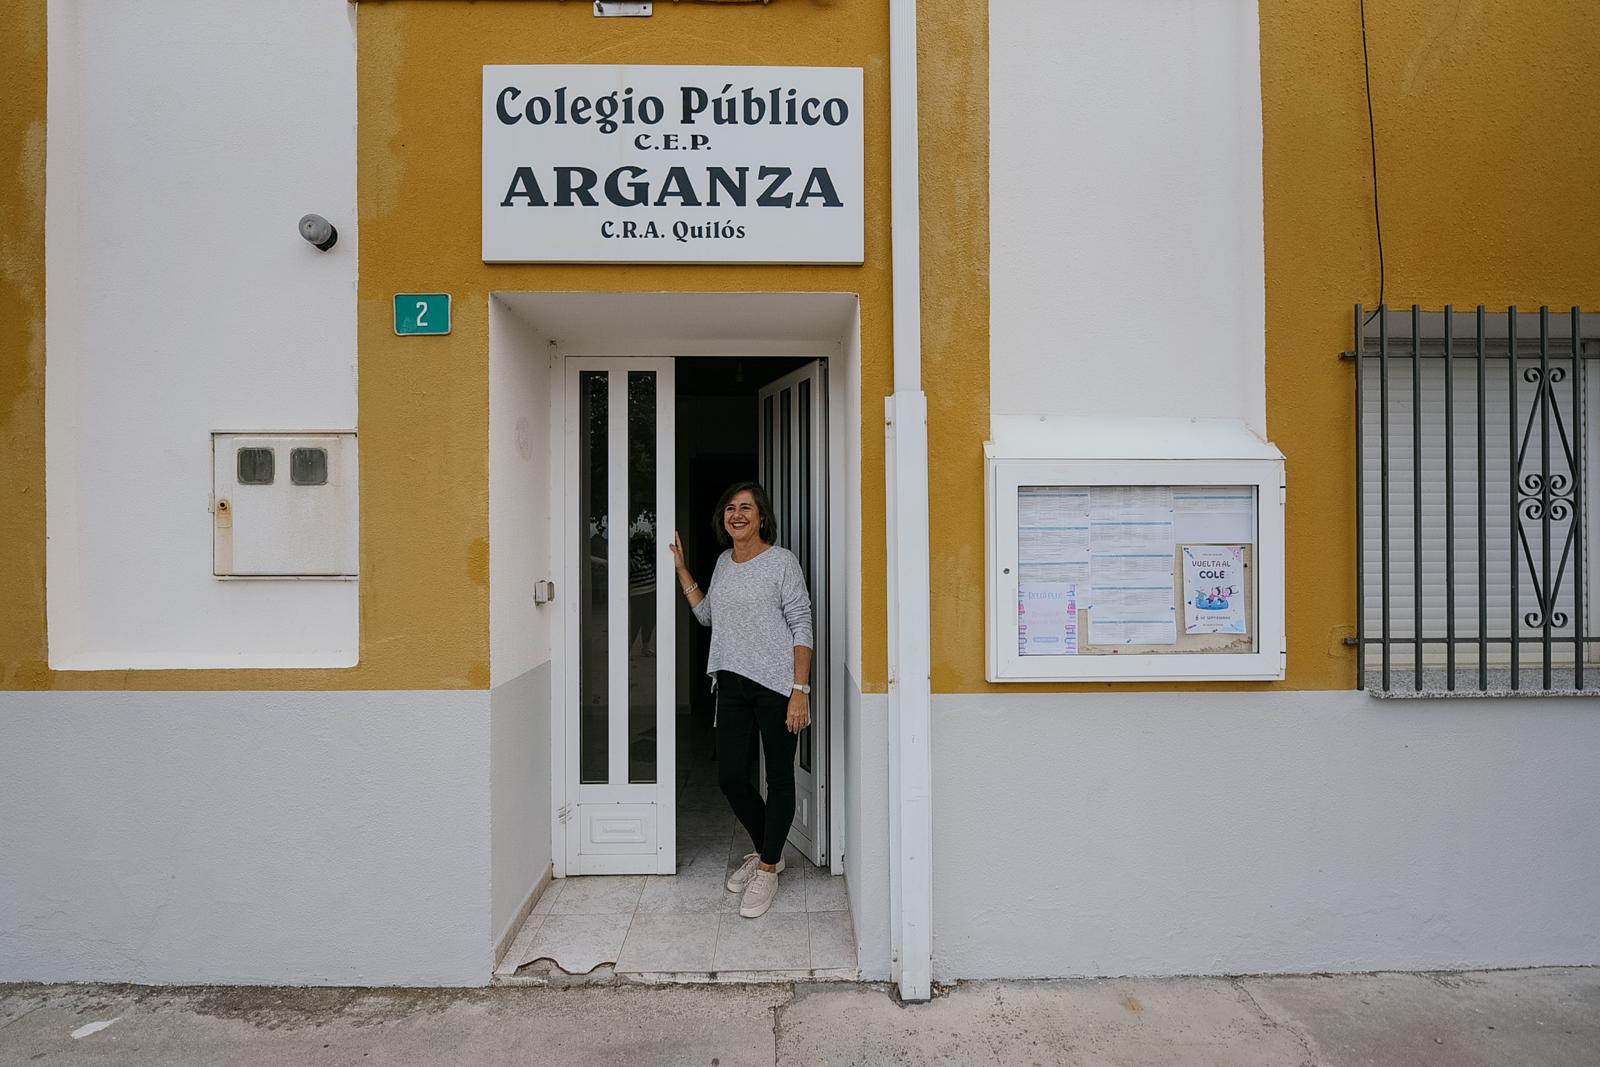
x,y
793,414
619,697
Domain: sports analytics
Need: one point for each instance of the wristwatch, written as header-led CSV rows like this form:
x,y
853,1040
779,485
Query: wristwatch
x,y
806,689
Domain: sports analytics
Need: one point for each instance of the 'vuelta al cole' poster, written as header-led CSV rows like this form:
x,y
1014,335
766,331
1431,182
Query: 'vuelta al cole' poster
x,y
1213,589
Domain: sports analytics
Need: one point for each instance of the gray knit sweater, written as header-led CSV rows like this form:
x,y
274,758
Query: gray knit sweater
x,y
759,613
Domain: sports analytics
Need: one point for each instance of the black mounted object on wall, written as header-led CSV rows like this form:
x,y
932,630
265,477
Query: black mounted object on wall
x,y
319,231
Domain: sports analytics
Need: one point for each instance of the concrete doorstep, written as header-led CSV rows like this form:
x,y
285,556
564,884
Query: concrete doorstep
x,y
1549,1016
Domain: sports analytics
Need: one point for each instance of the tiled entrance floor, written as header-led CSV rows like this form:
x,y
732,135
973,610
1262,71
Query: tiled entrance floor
x,y
686,926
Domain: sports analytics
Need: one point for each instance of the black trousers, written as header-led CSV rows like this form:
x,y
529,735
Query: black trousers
x,y
745,709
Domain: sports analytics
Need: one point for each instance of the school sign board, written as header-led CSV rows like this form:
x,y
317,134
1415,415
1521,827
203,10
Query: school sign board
x,y
667,164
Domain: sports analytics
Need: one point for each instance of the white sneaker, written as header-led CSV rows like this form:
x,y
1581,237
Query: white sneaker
x,y
741,877
759,894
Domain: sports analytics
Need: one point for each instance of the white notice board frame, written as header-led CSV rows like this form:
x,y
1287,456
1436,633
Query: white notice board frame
x,y
1006,474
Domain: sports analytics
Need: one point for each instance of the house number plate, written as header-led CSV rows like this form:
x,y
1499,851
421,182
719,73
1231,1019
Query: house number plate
x,y
421,314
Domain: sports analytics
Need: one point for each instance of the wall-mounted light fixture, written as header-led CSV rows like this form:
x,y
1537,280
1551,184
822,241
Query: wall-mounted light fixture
x,y
319,231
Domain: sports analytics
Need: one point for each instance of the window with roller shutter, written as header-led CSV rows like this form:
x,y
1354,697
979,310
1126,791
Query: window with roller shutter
x,y
1475,505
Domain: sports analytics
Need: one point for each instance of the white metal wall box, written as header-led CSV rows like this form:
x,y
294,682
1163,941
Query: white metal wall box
x,y
284,505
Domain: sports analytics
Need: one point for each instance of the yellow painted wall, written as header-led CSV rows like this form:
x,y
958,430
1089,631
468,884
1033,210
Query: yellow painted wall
x,y
1488,134
1486,123
1488,119
423,403
420,75
22,126
420,69
424,622
953,86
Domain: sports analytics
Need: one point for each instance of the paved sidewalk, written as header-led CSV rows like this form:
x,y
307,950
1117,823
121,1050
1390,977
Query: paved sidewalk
x,y
1452,1020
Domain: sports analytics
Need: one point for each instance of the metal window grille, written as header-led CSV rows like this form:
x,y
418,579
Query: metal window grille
x,y
1473,490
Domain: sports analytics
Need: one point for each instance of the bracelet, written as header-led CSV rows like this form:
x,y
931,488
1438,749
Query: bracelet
x,y
691,589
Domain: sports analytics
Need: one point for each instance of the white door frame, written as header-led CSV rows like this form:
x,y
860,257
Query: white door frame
x,y
617,827
811,835
564,803
835,480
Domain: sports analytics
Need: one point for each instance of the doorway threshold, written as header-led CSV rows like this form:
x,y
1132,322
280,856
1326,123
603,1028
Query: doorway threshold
x,y
685,928
606,975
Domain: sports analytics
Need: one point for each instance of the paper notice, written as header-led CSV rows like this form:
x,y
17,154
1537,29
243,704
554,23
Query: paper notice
x,y
1121,501
1133,587
1047,619
1213,589
1051,503
1134,615
1215,514
1214,498
1135,519
1053,534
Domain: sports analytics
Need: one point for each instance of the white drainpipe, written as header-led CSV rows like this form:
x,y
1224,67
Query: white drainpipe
x,y
910,624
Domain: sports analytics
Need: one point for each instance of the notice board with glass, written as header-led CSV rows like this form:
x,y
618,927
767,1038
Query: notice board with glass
x,y
1128,570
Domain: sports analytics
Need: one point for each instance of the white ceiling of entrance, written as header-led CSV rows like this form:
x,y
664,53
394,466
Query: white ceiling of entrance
x,y
688,324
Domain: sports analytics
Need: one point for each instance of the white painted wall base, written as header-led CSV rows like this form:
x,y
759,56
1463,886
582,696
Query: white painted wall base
x,y
1216,833
519,793
866,845
376,838
520,768
302,838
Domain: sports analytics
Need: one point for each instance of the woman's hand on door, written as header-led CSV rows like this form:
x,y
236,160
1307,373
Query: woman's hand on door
x,y
677,556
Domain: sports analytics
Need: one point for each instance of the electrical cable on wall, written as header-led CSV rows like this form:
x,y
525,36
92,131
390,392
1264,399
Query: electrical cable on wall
x,y
1372,144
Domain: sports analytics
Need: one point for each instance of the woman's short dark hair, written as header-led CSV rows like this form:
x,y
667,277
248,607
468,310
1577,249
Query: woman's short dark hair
x,y
769,521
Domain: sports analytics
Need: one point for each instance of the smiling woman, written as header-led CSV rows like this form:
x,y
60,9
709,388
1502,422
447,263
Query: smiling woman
x,y
760,617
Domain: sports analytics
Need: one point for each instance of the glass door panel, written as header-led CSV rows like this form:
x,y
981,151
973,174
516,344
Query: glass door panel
x,y
802,507
642,552
620,698
594,668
